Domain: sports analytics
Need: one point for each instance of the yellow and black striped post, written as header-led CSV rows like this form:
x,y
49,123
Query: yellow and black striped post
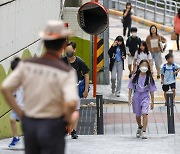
x,y
100,55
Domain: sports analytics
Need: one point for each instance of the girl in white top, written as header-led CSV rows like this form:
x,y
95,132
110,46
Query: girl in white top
x,y
142,54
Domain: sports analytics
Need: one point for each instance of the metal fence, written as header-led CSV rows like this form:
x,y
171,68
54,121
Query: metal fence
x,y
161,11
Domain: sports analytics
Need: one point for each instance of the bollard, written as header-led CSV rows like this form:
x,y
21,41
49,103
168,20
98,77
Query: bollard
x,y
170,112
99,107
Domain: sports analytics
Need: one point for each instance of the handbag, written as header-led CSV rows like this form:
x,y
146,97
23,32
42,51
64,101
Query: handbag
x,y
173,36
122,20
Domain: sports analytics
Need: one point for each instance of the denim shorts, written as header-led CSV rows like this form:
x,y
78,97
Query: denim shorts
x,y
14,116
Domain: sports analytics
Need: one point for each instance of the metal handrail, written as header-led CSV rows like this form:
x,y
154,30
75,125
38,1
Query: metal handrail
x,y
160,9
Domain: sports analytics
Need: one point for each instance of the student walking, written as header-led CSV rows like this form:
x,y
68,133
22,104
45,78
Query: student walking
x,y
177,27
82,71
141,86
132,45
19,94
127,21
169,72
50,93
142,54
117,54
156,44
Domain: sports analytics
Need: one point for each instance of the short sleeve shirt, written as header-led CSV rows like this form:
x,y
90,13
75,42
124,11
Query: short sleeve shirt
x,y
19,95
168,74
142,56
80,67
140,85
133,44
47,83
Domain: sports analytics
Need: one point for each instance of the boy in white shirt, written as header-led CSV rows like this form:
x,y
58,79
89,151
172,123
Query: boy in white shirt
x,y
13,116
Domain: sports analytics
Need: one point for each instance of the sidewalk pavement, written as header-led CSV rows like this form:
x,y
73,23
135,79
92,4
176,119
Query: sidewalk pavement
x,y
114,144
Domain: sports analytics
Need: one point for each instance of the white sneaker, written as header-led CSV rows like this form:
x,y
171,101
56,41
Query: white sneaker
x,y
144,136
139,132
117,94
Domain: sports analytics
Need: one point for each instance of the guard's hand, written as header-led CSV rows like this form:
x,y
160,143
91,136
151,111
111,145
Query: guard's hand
x,y
21,114
85,94
152,106
129,54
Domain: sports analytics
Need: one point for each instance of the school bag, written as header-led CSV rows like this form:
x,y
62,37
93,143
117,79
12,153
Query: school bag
x,y
81,88
173,68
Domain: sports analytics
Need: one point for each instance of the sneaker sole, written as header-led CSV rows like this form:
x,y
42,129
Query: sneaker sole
x,y
144,138
138,136
14,146
74,138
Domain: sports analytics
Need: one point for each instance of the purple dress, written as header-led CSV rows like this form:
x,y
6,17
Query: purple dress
x,y
141,95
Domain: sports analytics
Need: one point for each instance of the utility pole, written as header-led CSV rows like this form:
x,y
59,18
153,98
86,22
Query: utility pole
x,y
95,64
106,47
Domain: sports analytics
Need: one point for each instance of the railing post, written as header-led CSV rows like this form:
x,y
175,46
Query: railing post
x,y
118,5
175,10
145,9
170,112
136,7
165,10
99,107
155,10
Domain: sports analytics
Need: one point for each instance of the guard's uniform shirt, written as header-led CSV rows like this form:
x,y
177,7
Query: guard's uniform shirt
x,y
48,83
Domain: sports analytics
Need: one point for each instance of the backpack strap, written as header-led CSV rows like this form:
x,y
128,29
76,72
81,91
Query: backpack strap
x,y
134,87
164,68
174,69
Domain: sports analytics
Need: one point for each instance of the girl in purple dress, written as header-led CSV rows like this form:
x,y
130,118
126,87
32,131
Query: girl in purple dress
x,y
142,86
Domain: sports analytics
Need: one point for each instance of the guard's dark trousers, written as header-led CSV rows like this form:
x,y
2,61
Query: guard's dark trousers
x,y
44,136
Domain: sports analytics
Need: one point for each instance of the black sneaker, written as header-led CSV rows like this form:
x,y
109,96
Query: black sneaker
x,y
74,135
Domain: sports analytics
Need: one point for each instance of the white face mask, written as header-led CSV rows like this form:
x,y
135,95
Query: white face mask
x,y
143,69
134,34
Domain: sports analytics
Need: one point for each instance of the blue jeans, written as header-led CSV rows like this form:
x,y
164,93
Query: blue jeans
x,y
117,72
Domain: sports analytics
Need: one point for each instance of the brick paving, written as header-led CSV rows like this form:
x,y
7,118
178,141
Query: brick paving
x,y
119,119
